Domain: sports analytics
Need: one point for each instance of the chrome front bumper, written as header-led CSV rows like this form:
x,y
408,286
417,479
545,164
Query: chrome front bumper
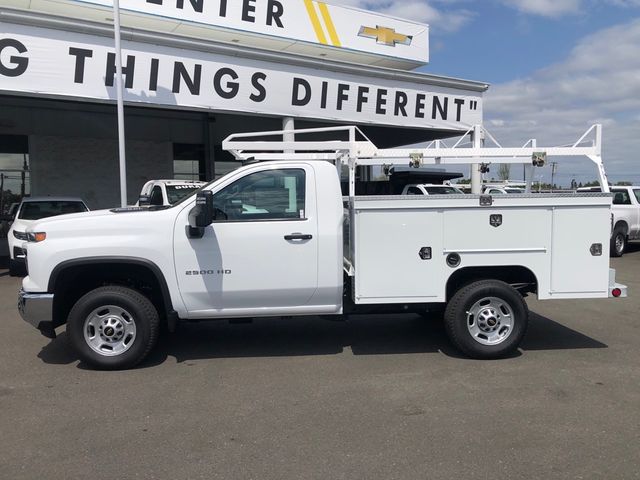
x,y
37,310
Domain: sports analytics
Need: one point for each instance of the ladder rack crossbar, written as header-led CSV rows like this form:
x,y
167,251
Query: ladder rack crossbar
x,y
353,152
243,147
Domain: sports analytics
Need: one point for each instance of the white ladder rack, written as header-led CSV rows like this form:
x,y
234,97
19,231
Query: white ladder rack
x,y
358,150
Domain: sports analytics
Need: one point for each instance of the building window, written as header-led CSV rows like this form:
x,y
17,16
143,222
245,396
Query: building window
x,y
225,162
15,178
188,161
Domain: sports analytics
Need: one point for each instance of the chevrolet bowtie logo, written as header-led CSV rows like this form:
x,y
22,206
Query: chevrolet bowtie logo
x,y
385,36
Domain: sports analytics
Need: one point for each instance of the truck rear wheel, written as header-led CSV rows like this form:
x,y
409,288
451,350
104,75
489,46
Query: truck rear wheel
x,y
113,327
487,319
618,242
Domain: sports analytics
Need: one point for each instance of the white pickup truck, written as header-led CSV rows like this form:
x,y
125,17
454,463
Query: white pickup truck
x,y
625,216
430,189
272,239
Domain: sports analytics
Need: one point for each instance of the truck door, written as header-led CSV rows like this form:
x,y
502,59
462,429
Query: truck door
x,y
260,254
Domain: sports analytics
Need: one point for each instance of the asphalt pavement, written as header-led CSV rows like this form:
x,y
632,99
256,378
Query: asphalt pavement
x,y
381,397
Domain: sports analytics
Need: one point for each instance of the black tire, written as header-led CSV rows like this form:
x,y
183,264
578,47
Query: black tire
x,y
138,309
458,318
618,242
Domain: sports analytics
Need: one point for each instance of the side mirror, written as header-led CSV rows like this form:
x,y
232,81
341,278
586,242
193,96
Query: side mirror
x,y
202,215
144,200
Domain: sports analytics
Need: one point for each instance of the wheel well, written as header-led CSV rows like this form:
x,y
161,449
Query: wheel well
x,y
623,226
69,283
523,279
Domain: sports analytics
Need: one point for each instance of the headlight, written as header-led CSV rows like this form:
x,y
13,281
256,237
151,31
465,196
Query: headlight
x,y
36,237
20,235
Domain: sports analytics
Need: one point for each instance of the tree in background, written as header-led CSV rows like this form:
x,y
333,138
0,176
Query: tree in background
x,y
596,183
593,183
504,173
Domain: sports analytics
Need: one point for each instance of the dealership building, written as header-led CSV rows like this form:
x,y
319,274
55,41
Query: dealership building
x,y
194,72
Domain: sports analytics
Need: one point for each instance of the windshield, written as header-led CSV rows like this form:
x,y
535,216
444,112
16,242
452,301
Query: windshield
x,y
175,193
49,208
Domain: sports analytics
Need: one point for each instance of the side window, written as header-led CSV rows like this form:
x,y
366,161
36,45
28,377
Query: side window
x,y
267,195
621,197
637,194
414,191
156,196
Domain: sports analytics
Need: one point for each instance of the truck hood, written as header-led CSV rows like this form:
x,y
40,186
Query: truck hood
x,y
22,225
102,219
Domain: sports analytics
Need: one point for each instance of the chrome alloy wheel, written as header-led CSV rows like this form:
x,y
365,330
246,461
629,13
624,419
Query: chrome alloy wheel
x,y
490,321
109,330
619,243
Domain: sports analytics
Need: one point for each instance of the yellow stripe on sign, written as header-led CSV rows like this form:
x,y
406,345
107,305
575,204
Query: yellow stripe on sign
x,y
329,23
315,21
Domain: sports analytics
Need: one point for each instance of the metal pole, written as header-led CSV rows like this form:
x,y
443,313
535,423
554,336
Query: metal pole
x,y
554,168
289,124
530,169
476,177
120,104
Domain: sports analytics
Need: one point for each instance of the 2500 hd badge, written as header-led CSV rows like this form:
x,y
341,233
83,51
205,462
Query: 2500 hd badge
x,y
208,272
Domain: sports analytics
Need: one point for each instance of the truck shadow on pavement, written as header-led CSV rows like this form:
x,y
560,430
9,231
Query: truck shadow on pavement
x,y
633,247
363,335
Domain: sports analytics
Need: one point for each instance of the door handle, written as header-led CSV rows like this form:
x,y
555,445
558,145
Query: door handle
x,y
298,236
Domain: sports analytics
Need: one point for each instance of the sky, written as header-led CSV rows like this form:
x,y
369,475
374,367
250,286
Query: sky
x,y
555,68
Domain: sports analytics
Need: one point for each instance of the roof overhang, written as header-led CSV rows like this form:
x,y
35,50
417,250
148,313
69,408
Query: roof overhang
x,y
54,57
307,27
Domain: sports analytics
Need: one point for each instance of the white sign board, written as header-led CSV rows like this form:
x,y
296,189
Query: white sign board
x,y
53,62
307,21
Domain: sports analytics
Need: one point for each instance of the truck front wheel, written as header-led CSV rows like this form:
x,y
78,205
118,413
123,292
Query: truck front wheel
x,y
487,319
113,327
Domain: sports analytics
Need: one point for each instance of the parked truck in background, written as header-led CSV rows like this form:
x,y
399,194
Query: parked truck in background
x,y
272,239
494,190
625,216
29,211
431,189
167,192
